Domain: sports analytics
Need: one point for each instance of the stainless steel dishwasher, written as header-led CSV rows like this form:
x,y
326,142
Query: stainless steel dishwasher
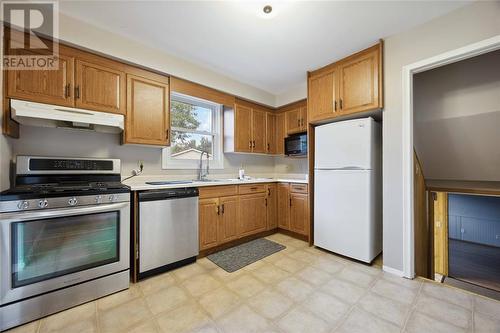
x,y
168,229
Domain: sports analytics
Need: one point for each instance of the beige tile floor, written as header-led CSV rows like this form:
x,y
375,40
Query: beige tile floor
x,y
300,289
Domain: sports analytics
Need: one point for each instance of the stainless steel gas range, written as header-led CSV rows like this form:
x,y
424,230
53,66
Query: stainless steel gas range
x,y
64,236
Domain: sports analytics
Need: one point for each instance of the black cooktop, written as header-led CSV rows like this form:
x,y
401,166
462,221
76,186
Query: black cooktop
x,y
61,189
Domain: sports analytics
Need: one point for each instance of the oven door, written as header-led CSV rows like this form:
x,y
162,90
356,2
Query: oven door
x,y
42,251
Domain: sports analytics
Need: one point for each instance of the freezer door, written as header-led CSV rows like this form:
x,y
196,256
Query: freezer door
x,y
345,145
347,213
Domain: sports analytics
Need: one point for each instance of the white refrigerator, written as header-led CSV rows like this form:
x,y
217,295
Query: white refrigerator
x,y
347,188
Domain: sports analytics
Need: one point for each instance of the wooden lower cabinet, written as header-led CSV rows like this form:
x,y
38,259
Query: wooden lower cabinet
x,y
229,216
283,191
272,206
208,220
293,208
229,212
253,216
299,213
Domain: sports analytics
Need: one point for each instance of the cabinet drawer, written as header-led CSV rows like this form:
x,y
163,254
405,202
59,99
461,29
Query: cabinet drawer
x,y
252,188
218,191
298,188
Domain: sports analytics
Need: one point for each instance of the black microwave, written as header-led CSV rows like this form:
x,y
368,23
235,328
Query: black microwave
x,y
296,145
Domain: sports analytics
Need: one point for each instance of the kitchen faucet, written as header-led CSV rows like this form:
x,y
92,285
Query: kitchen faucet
x,y
203,175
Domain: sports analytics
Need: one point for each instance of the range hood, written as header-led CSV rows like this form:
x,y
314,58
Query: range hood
x,y
47,115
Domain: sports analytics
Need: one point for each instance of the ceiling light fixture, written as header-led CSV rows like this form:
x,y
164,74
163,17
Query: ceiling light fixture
x,y
267,9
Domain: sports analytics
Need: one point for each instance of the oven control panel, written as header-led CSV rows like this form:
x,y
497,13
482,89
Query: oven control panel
x,y
61,202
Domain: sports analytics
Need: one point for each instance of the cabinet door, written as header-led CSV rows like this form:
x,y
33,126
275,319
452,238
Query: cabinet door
x,y
299,213
303,118
258,131
280,133
148,114
243,128
284,206
322,96
359,83
44,86
99,88
228,226
252,213
208,222
271,133
272,208
293,121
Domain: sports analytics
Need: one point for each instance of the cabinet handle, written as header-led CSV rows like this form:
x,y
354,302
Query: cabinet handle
x,y
298,122
266,202
335,105
167,134
268,147
253,188
250,144
290,202
77,92
269,192
217,210
222,208
67,91
340,104
253,143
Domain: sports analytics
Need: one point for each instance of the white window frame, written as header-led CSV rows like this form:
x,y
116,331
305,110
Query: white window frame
x,y
218,153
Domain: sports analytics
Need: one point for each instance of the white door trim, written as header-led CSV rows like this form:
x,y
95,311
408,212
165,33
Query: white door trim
x,y
472,50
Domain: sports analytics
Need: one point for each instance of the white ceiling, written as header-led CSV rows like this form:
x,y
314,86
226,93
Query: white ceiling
x,y
232,37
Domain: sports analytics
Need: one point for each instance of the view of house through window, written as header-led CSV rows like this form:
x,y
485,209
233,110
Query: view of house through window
x,y
195,126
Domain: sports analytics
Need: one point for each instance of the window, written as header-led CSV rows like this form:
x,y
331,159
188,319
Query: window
x,y
196,127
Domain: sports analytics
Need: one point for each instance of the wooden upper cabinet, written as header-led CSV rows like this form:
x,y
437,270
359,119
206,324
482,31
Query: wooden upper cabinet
x,y
99,88
259,131
283,206
322,97
44,86
351,85
303,118
299,213
148,111
248,128
208,222
359,83
272,206
280,133
243,128
293,121
229,212
271,138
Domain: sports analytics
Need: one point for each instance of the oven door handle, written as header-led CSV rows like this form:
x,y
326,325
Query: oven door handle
x,y
39,215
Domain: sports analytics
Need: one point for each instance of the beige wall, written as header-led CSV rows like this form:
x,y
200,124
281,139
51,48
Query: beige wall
x,y
456,119
464,26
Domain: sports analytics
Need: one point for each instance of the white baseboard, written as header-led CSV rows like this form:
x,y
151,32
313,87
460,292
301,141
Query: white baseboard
x,y
393,271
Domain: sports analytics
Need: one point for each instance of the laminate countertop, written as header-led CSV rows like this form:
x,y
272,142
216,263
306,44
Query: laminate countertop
x,y
142,183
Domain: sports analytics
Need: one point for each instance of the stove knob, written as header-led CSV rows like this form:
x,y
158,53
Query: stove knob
x,y
72,201
43,203
98,199
23,204
112,197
